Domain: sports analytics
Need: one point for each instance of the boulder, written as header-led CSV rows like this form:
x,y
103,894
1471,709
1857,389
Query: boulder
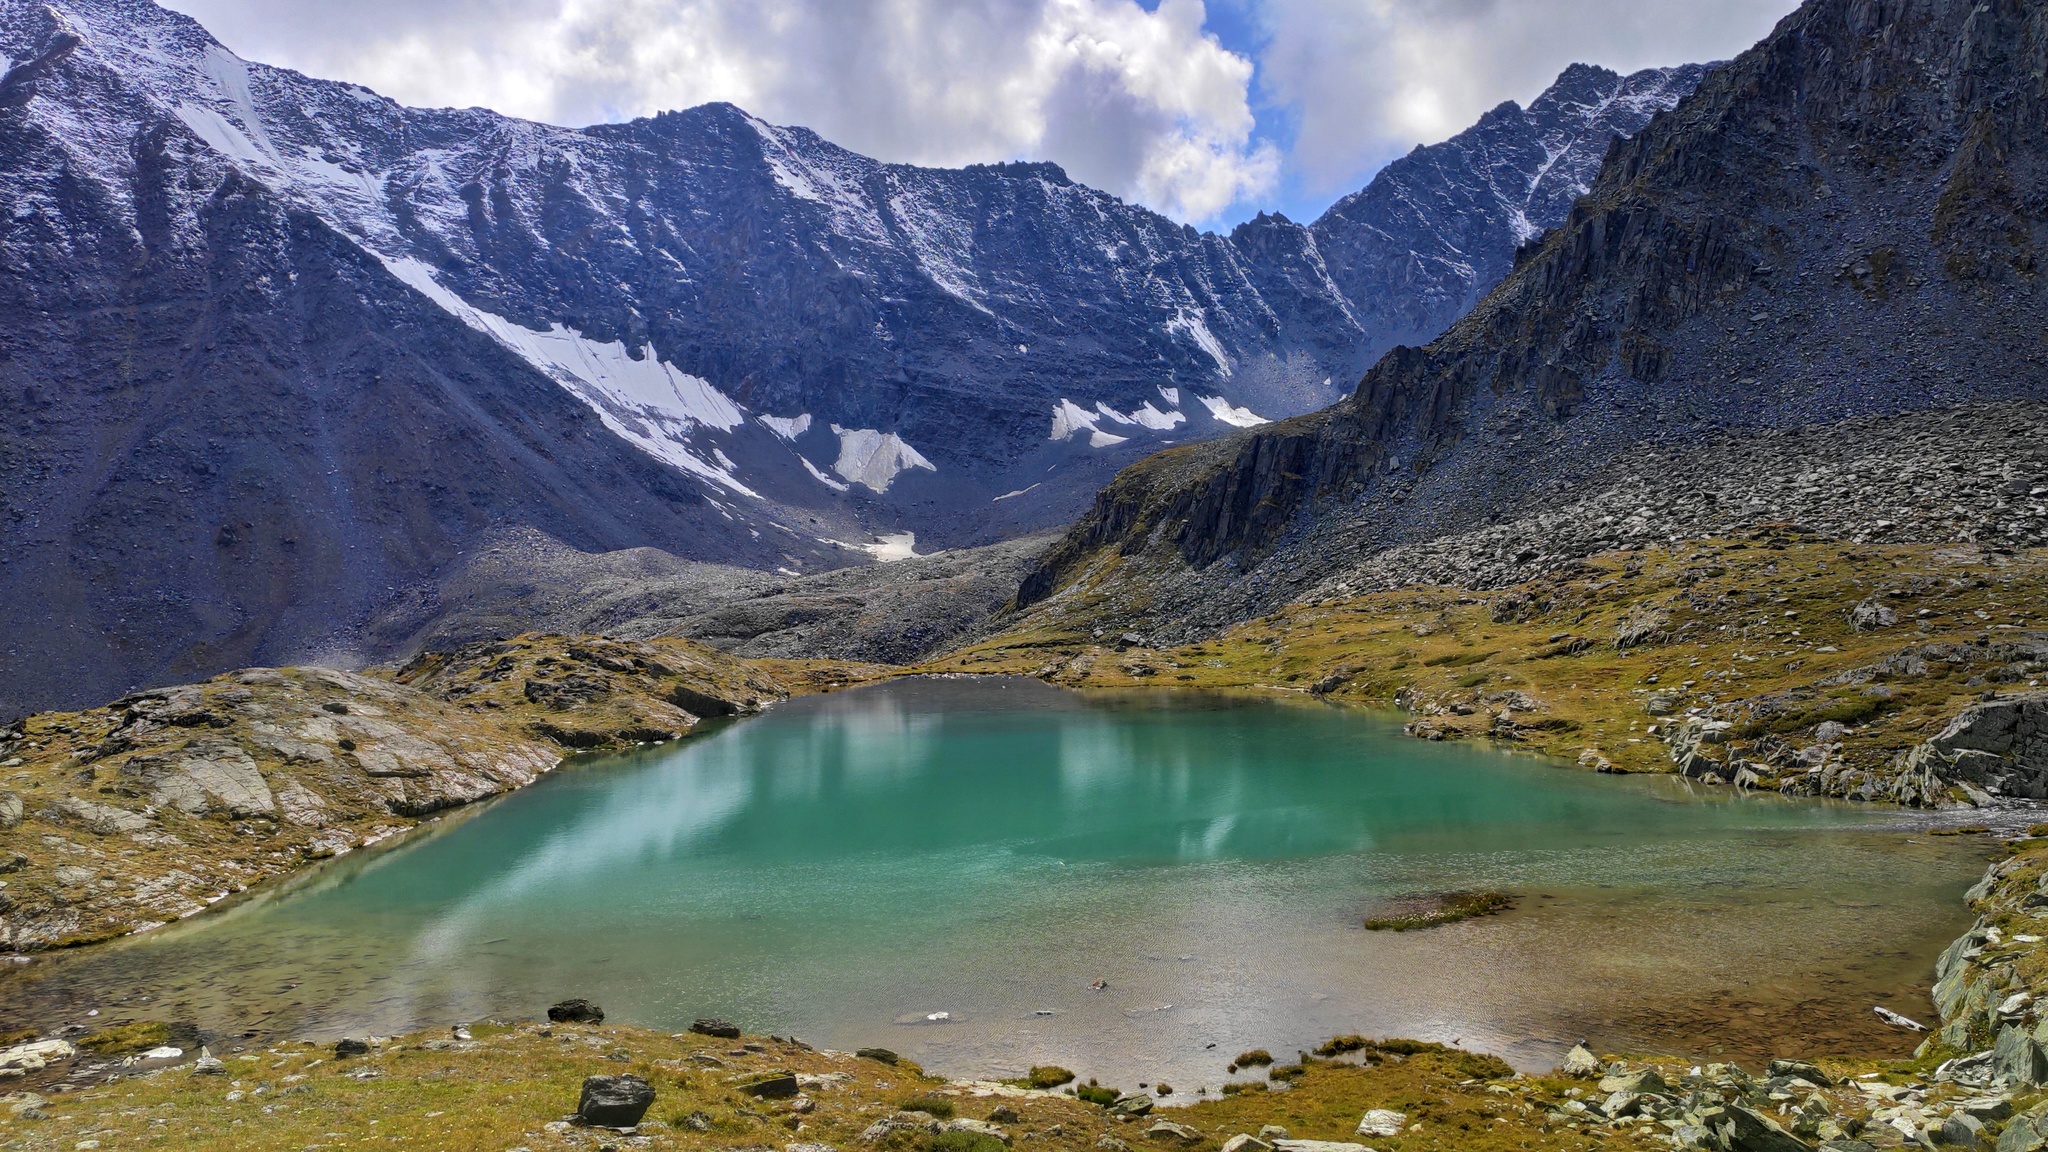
x,y
614,1101
577,1011
1638,1082
2018,1057
881,1055
1960,1130
1738,1129
1178,1133
901,1122
2021,1136
34,1057
979,1128
1132,1104
349,1046
1382,1122
1580,1063
1799,1069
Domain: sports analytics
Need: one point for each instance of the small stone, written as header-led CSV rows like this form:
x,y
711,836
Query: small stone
x,y
803,1105
1272,1132
614,1101
1004,1114
578,1011
208,1064
349,1046
697,1122
1245,1143
1318,1146
1580,1063
1168,1130
1110,1143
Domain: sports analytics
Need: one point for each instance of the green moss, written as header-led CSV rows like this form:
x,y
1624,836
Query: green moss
x,y
1048,1076
126,1039
965,1142
937,1106
1097,1094
1447,909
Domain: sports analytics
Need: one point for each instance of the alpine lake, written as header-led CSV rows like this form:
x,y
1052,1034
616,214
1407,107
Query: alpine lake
x,y
985,874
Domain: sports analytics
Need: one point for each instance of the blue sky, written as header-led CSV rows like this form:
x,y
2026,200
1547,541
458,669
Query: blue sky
x,y
1208,112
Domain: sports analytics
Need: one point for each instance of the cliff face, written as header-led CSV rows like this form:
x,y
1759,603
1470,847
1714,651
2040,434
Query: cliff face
x,y
1844,221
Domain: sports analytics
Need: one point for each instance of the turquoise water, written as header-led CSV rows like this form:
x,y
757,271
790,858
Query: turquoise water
x,y
849,867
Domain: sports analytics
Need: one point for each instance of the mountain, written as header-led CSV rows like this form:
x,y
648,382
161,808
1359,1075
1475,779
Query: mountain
x,y
276,350
1843,223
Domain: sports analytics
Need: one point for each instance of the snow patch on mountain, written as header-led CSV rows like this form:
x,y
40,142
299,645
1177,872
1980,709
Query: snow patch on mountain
x,y
1070,419
874,459
1224,411
1195,326
818,474
787,427
646,401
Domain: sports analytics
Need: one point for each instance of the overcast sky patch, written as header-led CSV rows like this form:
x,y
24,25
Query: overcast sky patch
x,y
1206,113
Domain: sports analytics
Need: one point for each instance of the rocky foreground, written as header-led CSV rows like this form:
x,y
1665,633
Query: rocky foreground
x,y
123,818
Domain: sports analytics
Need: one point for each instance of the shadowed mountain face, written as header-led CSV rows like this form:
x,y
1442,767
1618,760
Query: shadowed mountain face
x,y
274,350
1843,222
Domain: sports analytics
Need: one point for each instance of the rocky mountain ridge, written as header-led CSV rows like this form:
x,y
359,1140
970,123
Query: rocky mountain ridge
x,y
1841,223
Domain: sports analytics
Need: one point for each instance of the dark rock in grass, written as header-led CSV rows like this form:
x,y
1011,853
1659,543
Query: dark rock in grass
x,y
881,1054
343,1049
723,1029
778,1086
577,1011
614,1101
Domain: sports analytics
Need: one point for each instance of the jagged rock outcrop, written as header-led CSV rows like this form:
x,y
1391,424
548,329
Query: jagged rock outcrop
x,y
1842,222
166,801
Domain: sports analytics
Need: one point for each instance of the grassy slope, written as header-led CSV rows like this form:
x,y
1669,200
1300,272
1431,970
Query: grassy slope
x,y
503,1089
1754,628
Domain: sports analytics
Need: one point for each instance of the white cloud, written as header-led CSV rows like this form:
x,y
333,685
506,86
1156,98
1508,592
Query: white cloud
x,y
1368,79
1142,103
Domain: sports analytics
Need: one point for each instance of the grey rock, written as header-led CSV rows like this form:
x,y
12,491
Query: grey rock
x,y
1580,1063
1960,1130
1244,1142
1739,1129
614,1101
979,1128
10,811
900,1122
1132,1104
